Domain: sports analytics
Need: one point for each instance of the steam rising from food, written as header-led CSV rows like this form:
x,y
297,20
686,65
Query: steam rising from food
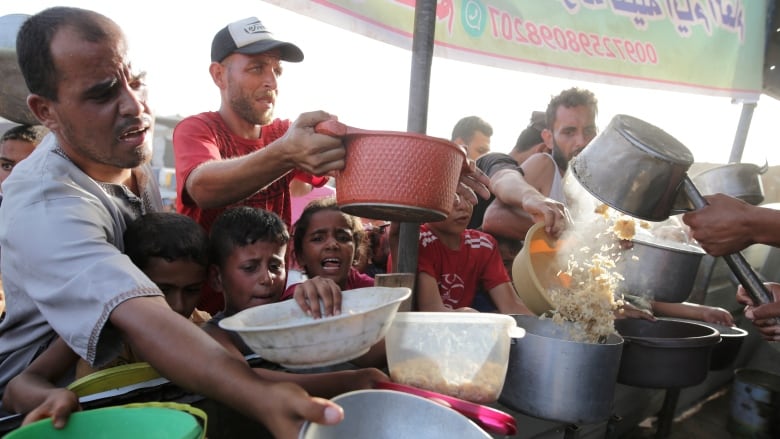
x,y
586,290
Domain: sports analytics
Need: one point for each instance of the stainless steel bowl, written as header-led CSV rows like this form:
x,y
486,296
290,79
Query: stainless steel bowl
x,y
386,414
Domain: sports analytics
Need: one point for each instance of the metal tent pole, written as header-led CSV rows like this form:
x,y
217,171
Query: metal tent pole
x,y
417,121
742,131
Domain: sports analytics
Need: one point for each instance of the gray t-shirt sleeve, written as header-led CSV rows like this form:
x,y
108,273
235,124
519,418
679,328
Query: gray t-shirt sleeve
x,y
73,272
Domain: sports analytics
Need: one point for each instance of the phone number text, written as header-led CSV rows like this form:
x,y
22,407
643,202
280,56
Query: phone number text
x,y
511,28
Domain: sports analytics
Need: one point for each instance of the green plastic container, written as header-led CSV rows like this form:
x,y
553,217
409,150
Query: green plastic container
x,y
117,423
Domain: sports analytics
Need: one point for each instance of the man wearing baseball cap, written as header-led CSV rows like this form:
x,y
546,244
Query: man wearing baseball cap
x,y
241,154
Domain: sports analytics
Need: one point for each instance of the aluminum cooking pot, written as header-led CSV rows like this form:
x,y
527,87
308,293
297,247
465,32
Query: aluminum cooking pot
x,y
13,90
667,353
664,271
739,180
396,176
640,170
725,352
635,168
551,376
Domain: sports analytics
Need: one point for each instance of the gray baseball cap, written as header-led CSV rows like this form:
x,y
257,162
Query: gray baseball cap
x,y
249,36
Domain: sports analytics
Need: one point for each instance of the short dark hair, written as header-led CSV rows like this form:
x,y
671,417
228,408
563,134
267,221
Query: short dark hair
x,y
322,204
532,134
572,97
466,127
241,226
33,43
168,235
26,133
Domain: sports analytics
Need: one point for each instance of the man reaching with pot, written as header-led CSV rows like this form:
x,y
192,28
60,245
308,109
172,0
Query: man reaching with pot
x,y
728,225
570,126
242,155
508,185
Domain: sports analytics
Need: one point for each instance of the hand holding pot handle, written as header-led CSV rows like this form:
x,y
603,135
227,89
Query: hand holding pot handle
x,y
739,266
331,127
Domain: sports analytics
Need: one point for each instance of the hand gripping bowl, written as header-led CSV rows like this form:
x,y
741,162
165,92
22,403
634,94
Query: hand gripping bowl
x,y
282,333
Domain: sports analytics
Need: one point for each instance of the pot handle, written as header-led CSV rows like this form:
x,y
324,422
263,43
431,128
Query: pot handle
x,y
739,266
516,332
331,127
490,419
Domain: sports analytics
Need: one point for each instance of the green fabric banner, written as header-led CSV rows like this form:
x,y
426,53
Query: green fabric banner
x,y
713,47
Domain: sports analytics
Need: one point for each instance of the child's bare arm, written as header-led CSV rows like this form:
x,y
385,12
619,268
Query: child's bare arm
x,y
693,311
33,391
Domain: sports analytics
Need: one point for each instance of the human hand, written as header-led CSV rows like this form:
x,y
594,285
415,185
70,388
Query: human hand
x,y
58,405
542,209
311,292
713,314
764,317
473,183
317,154
292,406
721,227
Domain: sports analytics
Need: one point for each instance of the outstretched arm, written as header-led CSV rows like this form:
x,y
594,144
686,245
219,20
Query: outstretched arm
x,y
219,183
512,190
728,225
168,342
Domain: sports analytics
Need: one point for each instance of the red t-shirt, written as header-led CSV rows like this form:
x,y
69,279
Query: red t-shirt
x,y
205,137
459,273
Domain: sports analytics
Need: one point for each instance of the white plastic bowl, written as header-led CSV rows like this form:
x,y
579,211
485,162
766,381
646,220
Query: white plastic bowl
x,y
282,333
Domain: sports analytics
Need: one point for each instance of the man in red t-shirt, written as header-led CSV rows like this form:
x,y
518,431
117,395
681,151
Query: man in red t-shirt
x,y
241,155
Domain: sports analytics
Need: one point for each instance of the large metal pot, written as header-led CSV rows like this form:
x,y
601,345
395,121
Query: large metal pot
x,y
396,176
552,377
640,170
739,180
666,353
663,272
634,167
725,352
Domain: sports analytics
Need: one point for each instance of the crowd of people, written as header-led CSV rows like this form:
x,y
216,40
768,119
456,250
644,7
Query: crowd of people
x,y
107,278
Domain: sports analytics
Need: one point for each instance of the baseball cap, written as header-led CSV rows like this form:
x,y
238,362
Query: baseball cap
x,y
249,36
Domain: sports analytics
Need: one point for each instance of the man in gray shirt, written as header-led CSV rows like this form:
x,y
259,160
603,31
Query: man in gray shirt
x,y
63,216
